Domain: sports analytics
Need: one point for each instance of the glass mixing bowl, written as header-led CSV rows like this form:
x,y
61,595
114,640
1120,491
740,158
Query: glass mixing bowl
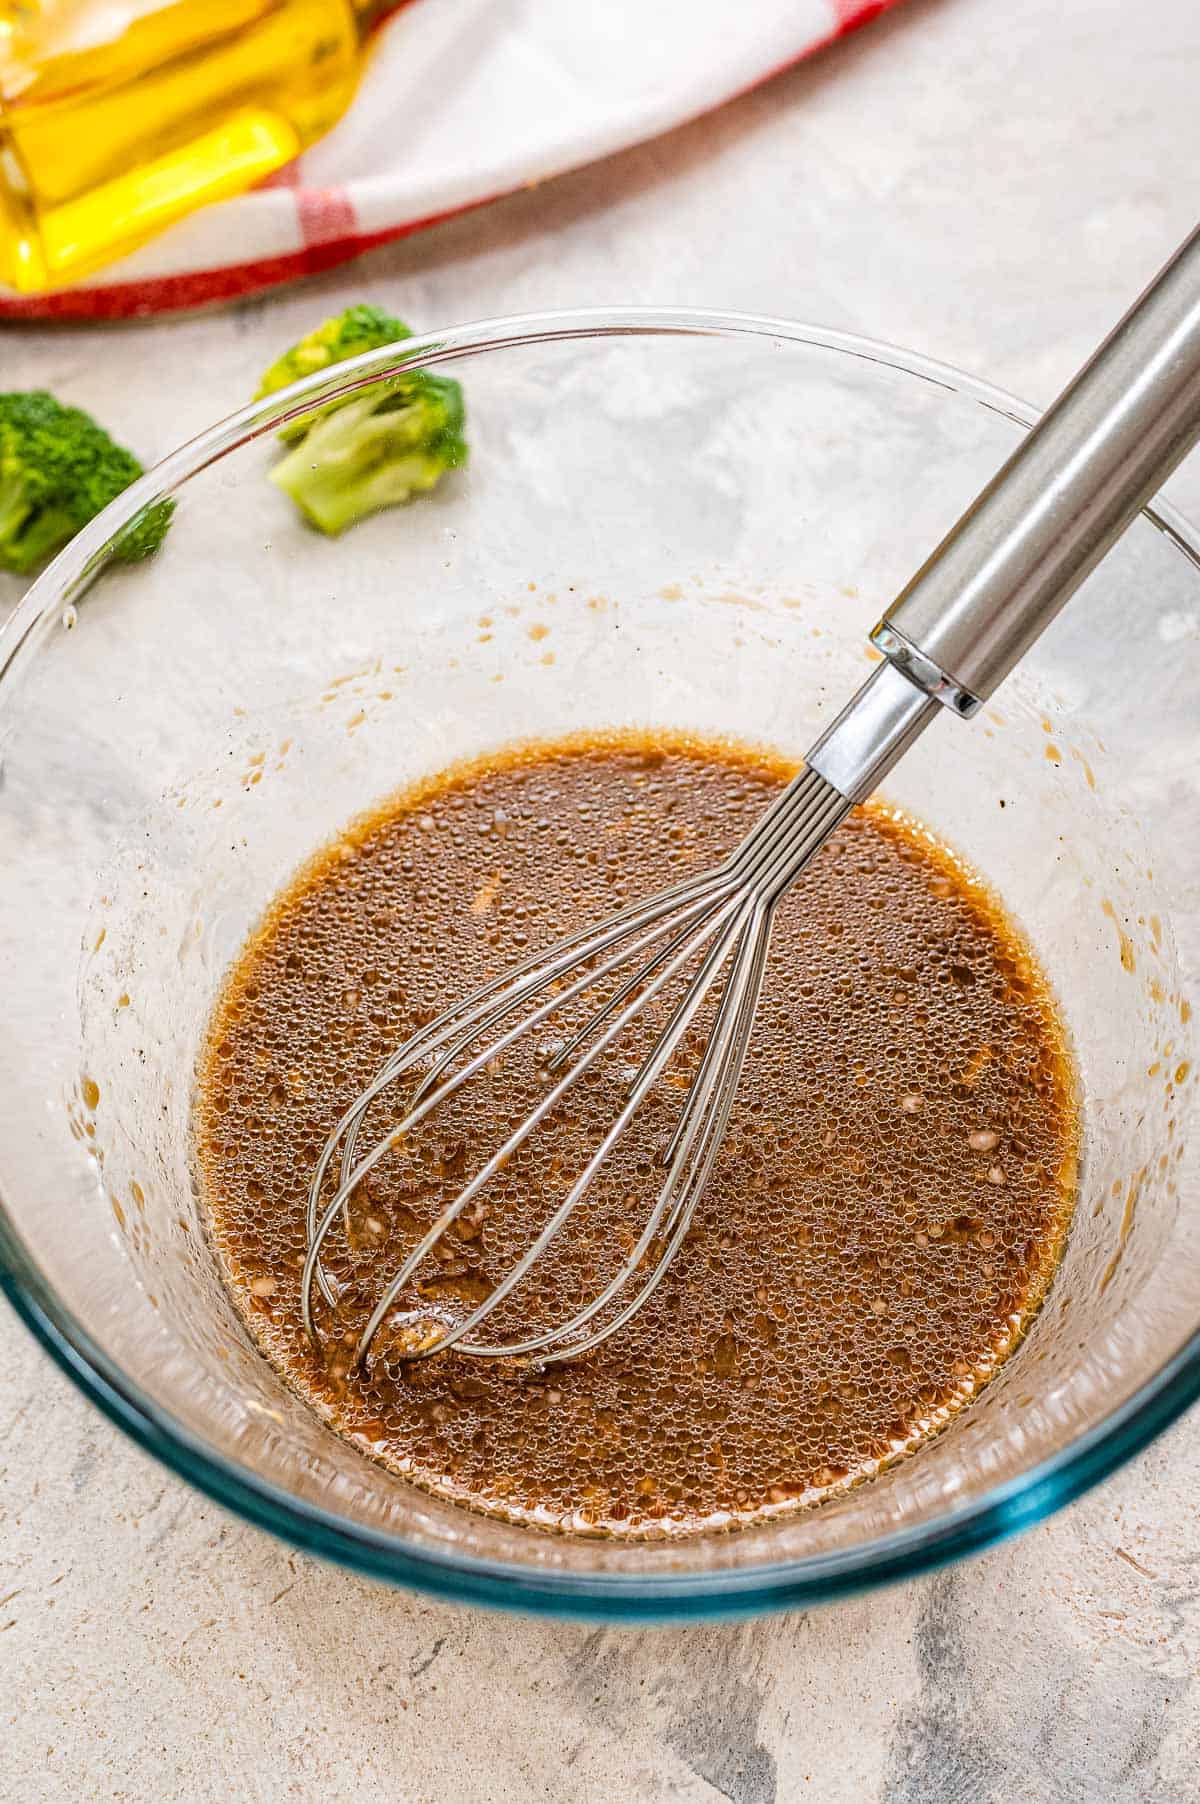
x,y
670,519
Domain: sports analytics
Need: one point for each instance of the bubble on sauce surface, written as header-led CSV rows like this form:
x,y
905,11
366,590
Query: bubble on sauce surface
x,y
855,1268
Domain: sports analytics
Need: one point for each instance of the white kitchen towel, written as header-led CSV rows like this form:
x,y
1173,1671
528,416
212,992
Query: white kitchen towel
x,y
463,101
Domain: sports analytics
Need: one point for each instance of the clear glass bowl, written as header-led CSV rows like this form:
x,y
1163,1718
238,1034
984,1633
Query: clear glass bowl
x,y
675,519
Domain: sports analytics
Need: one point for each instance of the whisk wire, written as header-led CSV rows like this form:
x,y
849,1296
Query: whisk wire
x,y
517,1139
721,917
504,993
679,1194
472,1017
680,1219
701,910
650,1071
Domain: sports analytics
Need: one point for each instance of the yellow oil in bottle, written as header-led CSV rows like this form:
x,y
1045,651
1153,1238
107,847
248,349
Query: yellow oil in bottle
x,y
118,117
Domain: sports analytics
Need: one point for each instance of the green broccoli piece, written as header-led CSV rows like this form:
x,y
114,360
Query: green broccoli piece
x,y
358,329
58,468
382,447
144,533
373,449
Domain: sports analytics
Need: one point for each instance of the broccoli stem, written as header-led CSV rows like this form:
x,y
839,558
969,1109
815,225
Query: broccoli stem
x,y
332,504
368,456
14,506
29,535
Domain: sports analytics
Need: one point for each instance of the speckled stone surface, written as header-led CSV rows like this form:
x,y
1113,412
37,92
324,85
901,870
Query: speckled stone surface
x,y
989,183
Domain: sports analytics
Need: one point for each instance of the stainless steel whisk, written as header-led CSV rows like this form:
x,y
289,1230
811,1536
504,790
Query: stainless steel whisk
x,y
953,634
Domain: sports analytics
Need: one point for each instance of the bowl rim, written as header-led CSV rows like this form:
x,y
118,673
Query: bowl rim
x,y
1002,1510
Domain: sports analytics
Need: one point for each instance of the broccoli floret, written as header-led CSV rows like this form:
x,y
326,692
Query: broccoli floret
x,y
58,468
380,448
373,449
361,328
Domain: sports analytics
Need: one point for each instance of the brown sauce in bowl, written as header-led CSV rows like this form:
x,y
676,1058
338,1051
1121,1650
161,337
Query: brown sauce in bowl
x,y
882,1222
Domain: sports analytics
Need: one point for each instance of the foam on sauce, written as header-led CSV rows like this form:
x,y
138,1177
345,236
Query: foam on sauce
x,y
883,1220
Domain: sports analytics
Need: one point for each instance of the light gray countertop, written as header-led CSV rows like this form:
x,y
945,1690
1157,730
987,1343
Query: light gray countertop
x,y
989,183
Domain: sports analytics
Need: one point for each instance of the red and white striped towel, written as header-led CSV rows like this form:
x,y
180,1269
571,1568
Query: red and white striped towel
x,y
463,101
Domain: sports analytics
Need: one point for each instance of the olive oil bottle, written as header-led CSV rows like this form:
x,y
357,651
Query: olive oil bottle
x,y
118,117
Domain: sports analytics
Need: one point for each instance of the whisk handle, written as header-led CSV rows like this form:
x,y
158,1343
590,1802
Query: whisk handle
x,y
1056,507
